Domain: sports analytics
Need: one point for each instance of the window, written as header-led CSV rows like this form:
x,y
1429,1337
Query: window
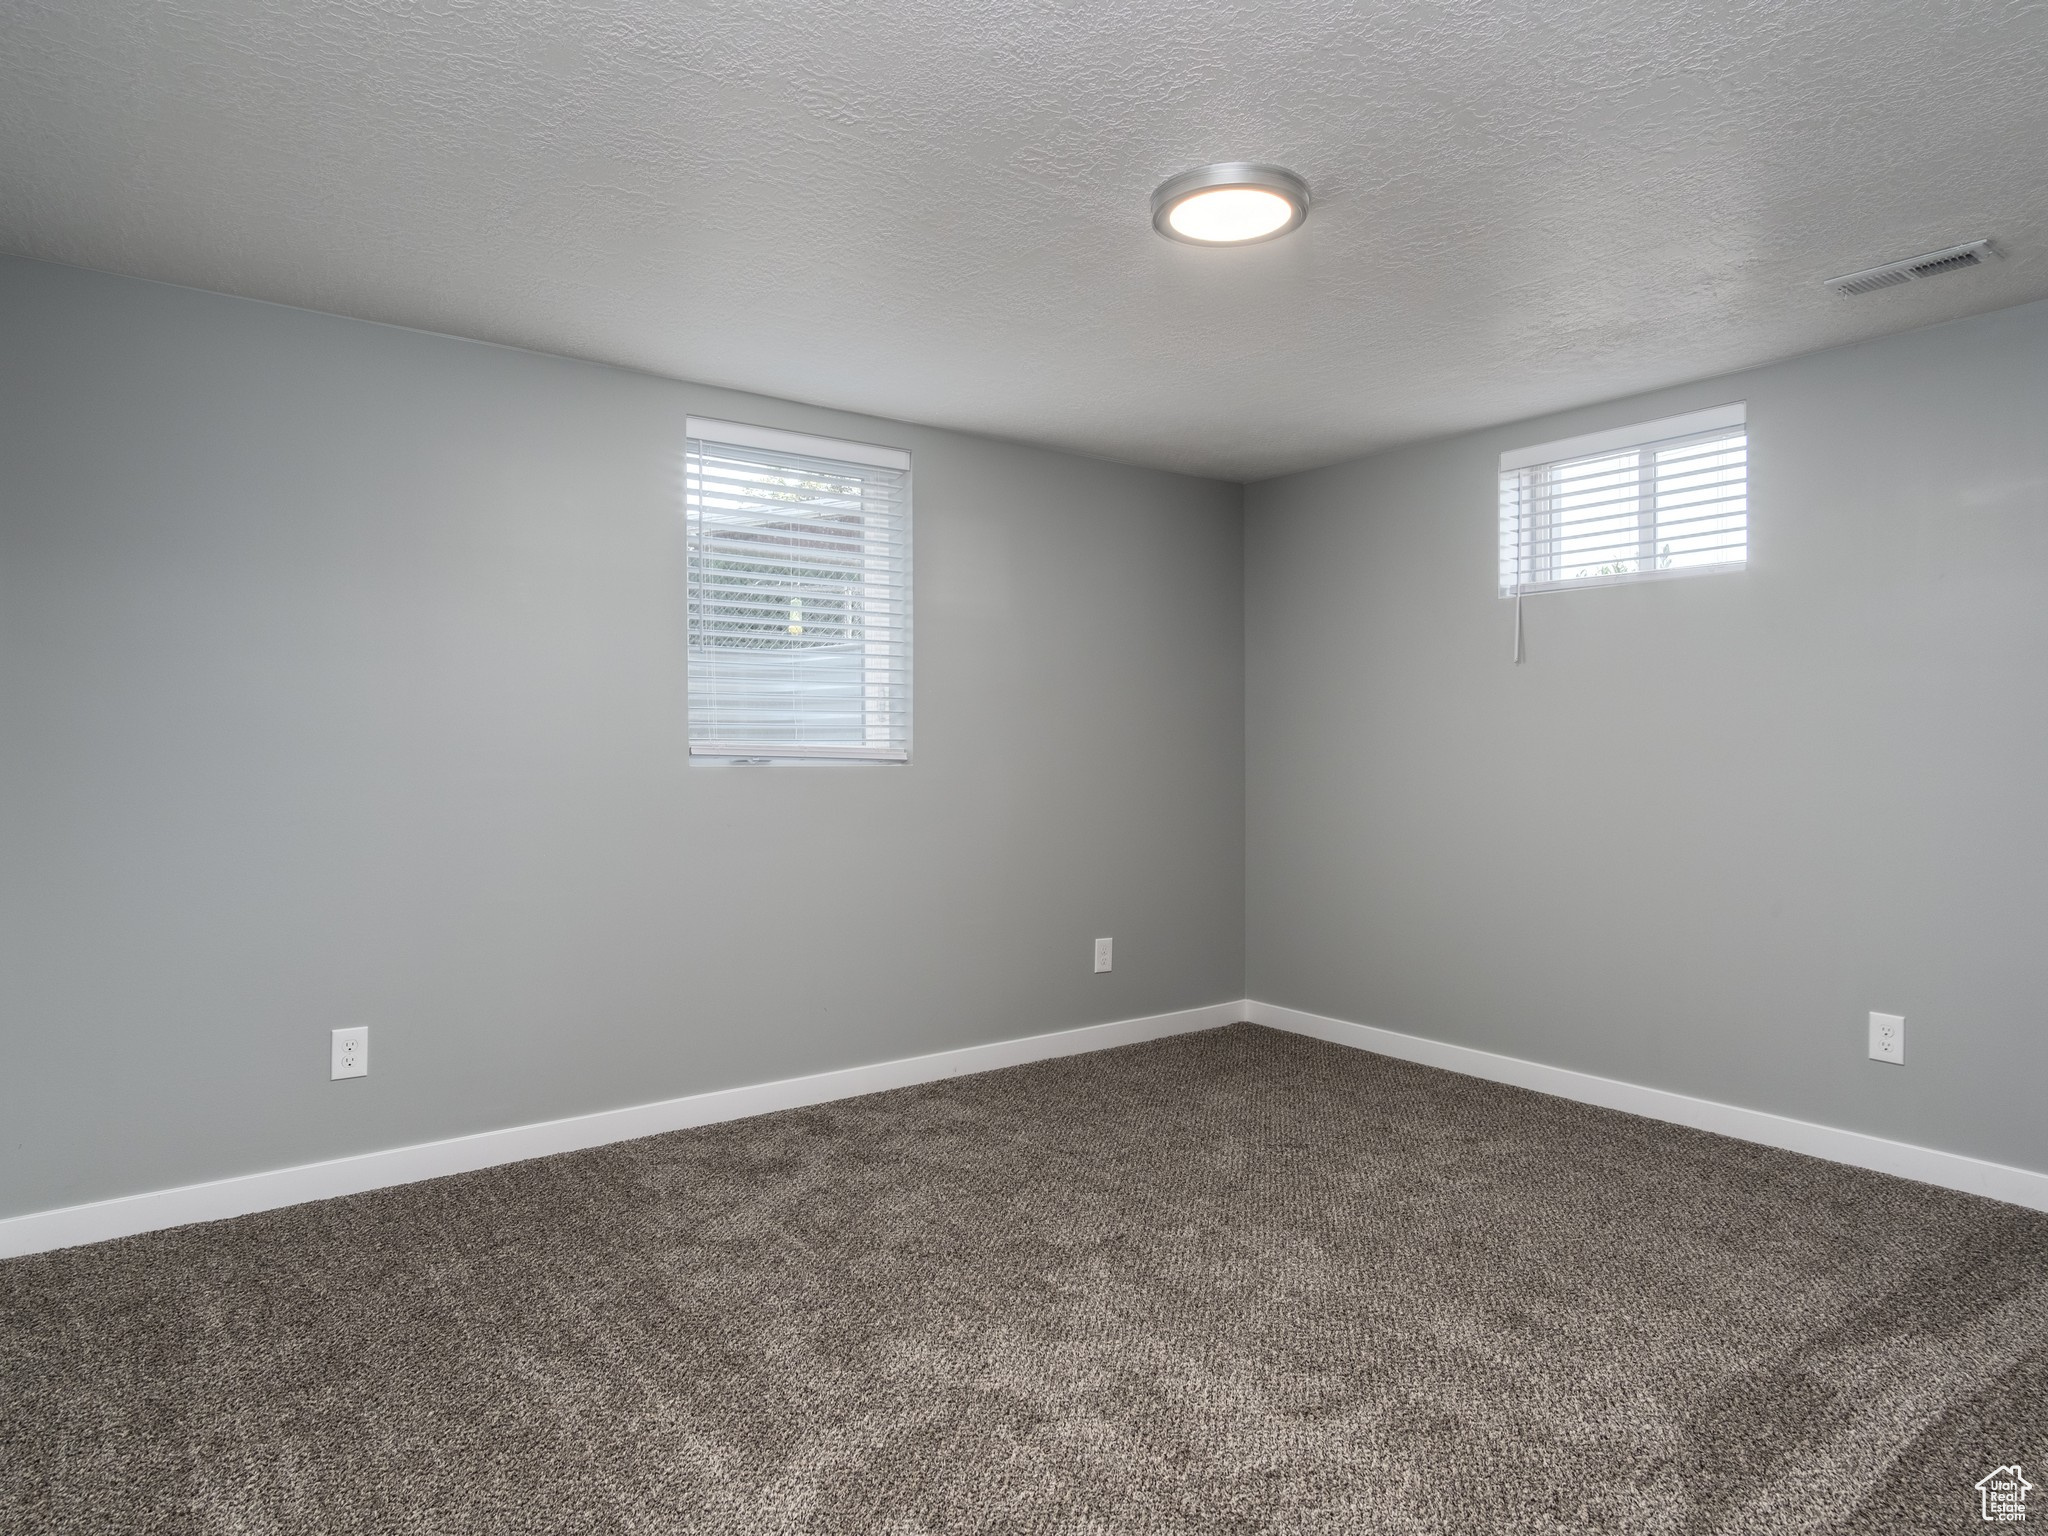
x,y
799,603
1665,498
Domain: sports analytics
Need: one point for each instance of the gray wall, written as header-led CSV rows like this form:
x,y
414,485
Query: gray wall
x,y
341,673
342,677
1709,824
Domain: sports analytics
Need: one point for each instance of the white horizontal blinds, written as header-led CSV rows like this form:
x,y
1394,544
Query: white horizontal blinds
x,y
799,603
1668,498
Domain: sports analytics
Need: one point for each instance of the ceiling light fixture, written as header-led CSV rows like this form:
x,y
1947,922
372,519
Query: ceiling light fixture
x,y
1230,204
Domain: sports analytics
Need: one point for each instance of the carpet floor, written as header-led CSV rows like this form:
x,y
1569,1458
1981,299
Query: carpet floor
x,y
1236,1281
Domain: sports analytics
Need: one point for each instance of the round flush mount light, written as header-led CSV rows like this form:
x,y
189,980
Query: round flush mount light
x,y
1230,204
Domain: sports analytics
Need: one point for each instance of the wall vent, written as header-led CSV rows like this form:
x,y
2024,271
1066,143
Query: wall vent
x,y
1933,264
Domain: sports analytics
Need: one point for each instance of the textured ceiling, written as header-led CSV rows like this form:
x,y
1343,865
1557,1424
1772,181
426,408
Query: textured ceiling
x,y
936,209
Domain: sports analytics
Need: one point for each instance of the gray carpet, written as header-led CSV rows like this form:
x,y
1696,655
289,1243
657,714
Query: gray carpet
x,y
1231,1282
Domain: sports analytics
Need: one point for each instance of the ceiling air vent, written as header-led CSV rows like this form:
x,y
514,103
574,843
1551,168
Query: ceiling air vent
x,y
1933,264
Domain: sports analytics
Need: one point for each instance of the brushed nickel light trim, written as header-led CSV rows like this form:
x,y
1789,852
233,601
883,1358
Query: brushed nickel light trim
x,y
1182,194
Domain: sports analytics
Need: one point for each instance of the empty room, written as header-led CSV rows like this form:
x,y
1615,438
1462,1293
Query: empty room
x,y
1023,768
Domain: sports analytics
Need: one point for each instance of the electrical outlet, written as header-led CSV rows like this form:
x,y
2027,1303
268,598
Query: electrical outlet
x,y
352,1052
1102,954
1888,1037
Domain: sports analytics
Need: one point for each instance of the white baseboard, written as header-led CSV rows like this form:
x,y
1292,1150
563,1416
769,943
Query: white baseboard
x,y
40,1231
67,1227
1950,1170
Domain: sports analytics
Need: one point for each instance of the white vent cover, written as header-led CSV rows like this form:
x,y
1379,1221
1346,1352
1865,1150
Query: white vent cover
x,y
1933,264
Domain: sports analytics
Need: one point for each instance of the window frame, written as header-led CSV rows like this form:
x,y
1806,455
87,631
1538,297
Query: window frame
x,y
719,751
1526,567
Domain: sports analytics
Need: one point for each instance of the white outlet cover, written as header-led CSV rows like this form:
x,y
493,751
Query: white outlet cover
x,y
1888,1037
351,1052
1102,948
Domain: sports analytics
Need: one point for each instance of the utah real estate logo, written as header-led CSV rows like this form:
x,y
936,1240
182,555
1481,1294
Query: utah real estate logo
x,y
2004,1494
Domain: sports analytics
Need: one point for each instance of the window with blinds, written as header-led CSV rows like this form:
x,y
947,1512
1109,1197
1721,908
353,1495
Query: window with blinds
x,y
1663,498
799,600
